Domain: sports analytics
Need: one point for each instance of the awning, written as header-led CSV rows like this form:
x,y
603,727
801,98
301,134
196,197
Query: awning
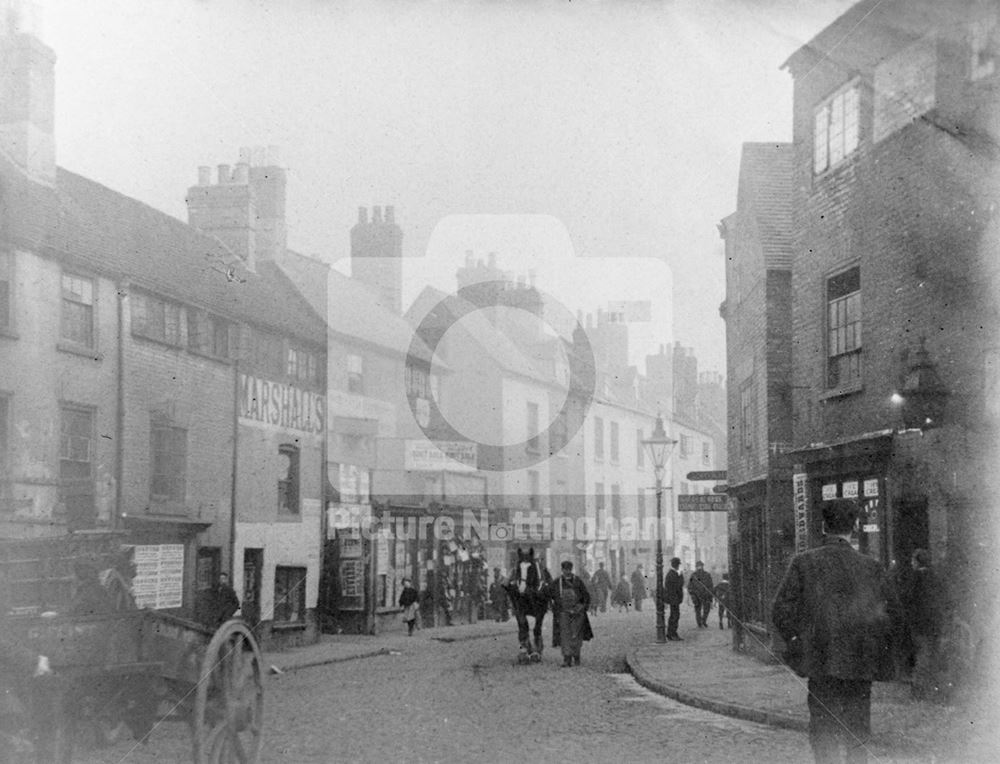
x,y
178,524
867,445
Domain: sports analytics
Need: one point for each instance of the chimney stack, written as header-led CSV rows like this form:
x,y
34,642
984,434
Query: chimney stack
x,y
27,85
390,214
376,255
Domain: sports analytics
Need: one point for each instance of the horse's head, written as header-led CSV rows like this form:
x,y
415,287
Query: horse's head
x,y
527,573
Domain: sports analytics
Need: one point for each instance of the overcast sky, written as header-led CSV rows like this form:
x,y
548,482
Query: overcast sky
x,y
622,122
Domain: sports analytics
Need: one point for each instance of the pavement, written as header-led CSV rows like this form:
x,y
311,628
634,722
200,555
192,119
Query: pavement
x,y
705,672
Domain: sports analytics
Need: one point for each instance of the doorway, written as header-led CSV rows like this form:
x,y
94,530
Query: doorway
x,y
912,529
253,564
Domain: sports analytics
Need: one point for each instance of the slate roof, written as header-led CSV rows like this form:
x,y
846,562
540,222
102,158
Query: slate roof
x,y
765,192
86,225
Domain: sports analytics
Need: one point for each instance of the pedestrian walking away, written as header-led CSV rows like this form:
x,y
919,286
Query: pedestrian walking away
x,y
408,601
622,595
836,611
602,587
722,601
570,602
673,595
700,588
638,587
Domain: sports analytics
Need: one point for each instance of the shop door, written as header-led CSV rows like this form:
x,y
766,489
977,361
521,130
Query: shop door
x,y
912,530
253,564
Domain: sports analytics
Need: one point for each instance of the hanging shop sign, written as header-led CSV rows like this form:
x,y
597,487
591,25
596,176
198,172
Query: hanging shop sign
x,y
800,505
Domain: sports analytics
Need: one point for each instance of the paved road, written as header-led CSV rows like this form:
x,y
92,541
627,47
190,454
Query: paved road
x,y
469,701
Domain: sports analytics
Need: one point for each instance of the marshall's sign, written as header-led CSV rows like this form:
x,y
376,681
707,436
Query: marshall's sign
x,y
281,405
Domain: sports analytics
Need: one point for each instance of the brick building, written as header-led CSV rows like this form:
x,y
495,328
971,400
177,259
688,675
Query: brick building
x,y
894,286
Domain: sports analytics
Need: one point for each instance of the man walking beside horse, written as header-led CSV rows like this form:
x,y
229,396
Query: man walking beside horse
x,y
570,602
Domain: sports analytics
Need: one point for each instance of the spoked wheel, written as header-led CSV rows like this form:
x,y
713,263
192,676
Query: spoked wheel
x,y
229,701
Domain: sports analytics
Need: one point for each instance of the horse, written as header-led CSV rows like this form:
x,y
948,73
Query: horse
x,y
528,591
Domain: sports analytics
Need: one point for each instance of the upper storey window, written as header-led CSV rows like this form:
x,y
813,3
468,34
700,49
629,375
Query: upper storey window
x,y
835,128
843,296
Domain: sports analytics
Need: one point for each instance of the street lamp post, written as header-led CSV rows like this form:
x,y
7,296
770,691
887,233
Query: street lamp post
x,y
659,446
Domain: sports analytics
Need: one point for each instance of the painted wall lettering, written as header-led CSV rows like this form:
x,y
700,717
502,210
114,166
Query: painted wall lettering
x,y
281,405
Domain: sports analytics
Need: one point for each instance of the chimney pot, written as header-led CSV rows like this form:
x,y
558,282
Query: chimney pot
x,y
362,214
390,214
224,176
204,176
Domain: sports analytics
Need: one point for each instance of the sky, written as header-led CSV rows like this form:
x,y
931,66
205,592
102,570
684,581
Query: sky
x,y
595,143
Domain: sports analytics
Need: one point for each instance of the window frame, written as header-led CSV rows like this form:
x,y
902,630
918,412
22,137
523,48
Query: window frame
x,y
69,298
204,332
830,106
164,453
72,486
171,314
354,365
598,439
290,486
532,419
843,337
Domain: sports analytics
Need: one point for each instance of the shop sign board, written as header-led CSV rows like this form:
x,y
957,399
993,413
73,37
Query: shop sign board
x,y
454,455
702,502
871,487
829,491
800,504
849,489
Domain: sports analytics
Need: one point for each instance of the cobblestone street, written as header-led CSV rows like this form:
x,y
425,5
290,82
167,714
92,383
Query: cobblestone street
x,y
469,700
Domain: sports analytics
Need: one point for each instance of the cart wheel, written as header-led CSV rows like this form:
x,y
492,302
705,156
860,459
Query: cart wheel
x,y
229,701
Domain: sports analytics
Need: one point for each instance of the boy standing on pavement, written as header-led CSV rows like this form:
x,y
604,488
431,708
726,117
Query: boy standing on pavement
x,y
836,610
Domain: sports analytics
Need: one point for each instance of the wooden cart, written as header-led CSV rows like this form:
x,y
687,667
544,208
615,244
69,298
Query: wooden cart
x,y
139,668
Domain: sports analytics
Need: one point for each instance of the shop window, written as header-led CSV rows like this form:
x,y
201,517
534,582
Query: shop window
x,y
835,128
843,294
355,375
289,595
76,465
615,452
532,428
288,479
168,470
598,438
77,321
156,319
6,291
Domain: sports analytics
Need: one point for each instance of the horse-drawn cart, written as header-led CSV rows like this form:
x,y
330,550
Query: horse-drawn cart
x,y
134,668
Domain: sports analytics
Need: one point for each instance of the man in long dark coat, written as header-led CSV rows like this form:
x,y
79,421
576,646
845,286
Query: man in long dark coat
x,y
700,588
638,587
673,595
602,586
836,611
570,601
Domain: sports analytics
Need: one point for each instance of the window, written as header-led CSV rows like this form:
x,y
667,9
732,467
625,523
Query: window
x,y
417,383
532,428
616,501
560,433
355,375
835,131
4,425
533,489
77,310
168,472
302,365
288,479
843,295
156,319
640,450
208,334
706,453
687,446
76,459
746,417
289,595
6,291
599,500
615,454
598,438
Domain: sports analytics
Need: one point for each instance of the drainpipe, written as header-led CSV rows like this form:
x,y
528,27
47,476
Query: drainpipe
x,y
232,488
116,519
